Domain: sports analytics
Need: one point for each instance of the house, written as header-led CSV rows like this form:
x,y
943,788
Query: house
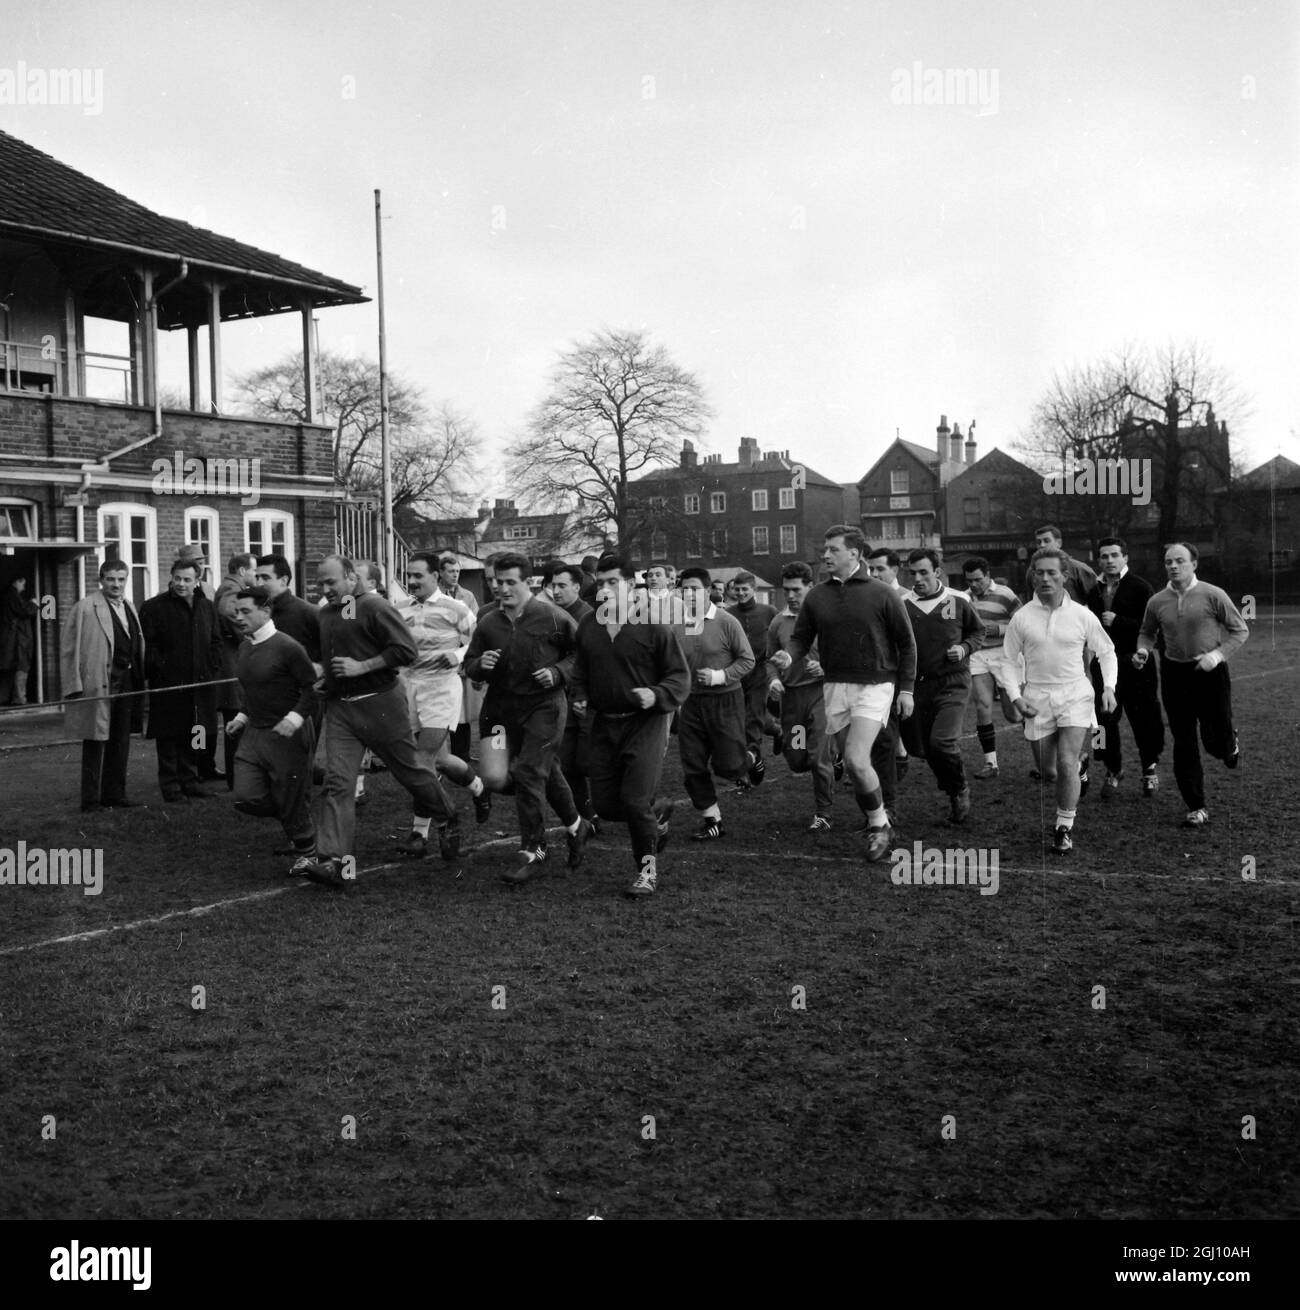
x,y
991,509
91,463
759,512
901,496
1259,527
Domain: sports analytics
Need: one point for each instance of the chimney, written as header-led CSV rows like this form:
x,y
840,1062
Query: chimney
x,y
484,509
970,443
954,444
503,509
748,452
689,458
942,432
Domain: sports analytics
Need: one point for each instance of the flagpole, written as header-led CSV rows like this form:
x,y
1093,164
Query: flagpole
x,y
386,495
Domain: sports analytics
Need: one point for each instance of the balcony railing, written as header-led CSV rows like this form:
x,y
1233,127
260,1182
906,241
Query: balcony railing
x,y
41,370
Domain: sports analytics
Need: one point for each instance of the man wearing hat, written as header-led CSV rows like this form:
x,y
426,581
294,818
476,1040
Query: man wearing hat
x,y
193,554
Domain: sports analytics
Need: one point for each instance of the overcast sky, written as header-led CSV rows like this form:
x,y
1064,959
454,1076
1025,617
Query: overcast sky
x,y
744,180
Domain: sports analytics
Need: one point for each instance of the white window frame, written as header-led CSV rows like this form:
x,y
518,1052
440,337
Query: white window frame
x,y
269,518
148,567
898,482
793,547
758,500
785,498
717,502
760,535
212,550
713,542
33,519
658,544
692,504
693,545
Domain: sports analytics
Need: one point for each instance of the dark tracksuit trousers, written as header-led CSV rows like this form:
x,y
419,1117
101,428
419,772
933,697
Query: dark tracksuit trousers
x,y
802,707
534,730
1136,693
274,774
381,721
624,770
1194,698
936,723
711,737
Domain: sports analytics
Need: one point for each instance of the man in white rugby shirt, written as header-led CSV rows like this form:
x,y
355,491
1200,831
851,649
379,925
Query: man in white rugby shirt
x,y
441,626
1051,632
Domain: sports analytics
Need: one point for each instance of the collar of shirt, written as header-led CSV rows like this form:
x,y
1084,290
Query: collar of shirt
x,y
926,603
1065,602
711,612
835,577
264,633
1190,585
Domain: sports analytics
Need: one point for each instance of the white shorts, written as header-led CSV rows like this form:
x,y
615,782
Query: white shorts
x,y
845,701
998,667
1062,705
434,699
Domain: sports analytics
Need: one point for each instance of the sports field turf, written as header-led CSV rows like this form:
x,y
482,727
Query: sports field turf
x,y
952,1056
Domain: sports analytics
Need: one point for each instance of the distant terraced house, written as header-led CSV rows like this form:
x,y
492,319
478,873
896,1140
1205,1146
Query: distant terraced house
x,y
91,463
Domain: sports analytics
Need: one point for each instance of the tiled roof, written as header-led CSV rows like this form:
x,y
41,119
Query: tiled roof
x,y
673,473
1284,475
52,203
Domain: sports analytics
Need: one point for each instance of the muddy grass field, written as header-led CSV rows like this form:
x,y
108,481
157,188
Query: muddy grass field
x,y
781,1032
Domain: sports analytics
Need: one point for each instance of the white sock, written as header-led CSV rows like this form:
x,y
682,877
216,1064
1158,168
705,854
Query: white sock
x,y
991,757
1065,818
361,786
421,826
714,813
476,786
573,827
877,818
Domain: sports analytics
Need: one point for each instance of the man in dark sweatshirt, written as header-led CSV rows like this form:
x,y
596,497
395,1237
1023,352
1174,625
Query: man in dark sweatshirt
x,y
562,583
628,678
711,728
292,615
948,632
867,651
364,641
523,649
756,618
274,729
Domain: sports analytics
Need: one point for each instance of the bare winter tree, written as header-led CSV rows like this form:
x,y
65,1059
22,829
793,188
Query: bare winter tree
x,y
1165,405
616,406
435,451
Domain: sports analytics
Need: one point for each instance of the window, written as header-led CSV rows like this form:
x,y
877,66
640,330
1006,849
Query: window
x,y
719,543
692,504
635,553
785,500
130,533
521,533
915,527
898,482
658,504
970,508
269,532
658,544
17,521
760,541
692,545
997,515
893,528
758,500
203,529
718,502
789,543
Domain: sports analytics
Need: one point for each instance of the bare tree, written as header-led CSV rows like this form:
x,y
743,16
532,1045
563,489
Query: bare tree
x,y
435,452
1166,405
616,406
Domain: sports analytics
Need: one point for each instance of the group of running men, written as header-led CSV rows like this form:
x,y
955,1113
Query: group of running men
x,y
583,683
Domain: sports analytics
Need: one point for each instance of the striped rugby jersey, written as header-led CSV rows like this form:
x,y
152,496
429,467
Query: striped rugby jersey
x,y
439,625
997,605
